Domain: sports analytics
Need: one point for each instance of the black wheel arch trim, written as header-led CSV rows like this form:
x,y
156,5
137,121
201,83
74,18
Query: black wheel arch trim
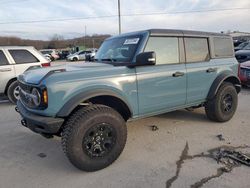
x,y
220,79
70,105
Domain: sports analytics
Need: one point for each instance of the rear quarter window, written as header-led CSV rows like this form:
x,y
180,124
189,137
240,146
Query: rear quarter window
x,y
3,59
196,49
223,47
23,56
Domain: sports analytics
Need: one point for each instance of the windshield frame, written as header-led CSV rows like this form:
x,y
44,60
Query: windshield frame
x,y
118,62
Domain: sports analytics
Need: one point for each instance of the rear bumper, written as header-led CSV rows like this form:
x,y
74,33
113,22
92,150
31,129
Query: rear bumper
x,y
37,123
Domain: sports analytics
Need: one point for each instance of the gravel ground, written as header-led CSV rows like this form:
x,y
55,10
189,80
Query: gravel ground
x,y
167,157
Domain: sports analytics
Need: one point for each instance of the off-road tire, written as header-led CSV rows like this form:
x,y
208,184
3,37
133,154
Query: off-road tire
x,y
10,92
78,125
214,108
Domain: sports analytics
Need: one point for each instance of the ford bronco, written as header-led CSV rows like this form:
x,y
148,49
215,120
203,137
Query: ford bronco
x,y
133,75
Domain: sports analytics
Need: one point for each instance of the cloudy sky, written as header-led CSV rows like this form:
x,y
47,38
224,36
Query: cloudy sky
x,y
99,16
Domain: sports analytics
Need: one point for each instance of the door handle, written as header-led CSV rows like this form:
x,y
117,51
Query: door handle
x,y
211,70
177,74
5,69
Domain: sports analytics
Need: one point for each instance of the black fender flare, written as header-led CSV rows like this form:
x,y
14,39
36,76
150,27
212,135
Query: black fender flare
x,y
222,78
70,105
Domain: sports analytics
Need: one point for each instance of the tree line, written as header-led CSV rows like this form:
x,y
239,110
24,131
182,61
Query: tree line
x,y
56,42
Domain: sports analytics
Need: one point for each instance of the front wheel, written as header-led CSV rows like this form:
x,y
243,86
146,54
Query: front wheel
x,y
223,106
13,92
94,137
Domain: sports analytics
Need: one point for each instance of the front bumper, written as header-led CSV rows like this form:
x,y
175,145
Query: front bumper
x,y
37,123
246,82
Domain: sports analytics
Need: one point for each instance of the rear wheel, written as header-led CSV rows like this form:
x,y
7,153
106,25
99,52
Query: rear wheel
x,y
224,104
13,92
75,59
94,137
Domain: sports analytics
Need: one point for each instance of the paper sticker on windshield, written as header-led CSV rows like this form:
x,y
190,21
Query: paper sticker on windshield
x,y
131,41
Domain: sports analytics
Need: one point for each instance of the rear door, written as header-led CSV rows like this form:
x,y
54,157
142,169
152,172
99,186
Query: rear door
x,y
24,59
163,86
7,71
201,70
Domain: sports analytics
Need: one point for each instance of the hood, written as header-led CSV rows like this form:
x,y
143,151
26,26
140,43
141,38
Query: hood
x,y
245,65
243,52
35,76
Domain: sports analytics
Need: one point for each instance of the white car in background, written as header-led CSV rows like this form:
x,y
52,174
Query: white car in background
x,y
50,54
13,62
81,55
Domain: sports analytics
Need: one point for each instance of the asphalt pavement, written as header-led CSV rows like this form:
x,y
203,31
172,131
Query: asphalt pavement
x,y
175,153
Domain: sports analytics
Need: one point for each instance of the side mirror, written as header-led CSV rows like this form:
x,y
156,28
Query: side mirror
x,y
145,58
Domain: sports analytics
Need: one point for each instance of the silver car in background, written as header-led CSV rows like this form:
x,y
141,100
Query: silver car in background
x,y
81,55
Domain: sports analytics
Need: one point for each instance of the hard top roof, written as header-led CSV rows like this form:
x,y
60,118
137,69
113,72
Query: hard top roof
x,y
184,32
175,32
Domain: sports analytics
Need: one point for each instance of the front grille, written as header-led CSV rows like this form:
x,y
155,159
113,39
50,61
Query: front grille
x,y
248,73
28,99
245,73
24,90
25,87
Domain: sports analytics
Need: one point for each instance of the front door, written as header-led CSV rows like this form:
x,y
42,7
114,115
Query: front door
x,y
7,71
162,87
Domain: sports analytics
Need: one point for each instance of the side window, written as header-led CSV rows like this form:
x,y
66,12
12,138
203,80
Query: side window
x,y
3,59
223,47
82,53
23,56
166,49
196,49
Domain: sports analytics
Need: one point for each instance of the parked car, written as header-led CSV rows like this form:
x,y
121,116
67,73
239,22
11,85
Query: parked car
x,y
135,75
244,54
63,54
244,73
91,56
50,53
241,46
13,62
237,42
81,55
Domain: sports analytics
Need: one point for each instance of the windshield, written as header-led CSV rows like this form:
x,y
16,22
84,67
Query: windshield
x,y
247,47
120,49
242,45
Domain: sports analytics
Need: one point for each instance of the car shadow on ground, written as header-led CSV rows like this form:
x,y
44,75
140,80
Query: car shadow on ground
x,y
197,115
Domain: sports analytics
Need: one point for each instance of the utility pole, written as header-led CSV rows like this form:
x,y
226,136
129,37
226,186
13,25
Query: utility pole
x,y
85,28
119,16
93,42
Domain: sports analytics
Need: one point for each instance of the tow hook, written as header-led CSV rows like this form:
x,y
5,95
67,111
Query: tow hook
x,y
48,136
24,123
17,110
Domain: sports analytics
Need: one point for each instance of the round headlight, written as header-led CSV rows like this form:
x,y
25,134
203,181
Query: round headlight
x,y
36,97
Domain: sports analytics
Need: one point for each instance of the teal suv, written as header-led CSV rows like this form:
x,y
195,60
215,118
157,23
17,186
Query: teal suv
x,y
133,76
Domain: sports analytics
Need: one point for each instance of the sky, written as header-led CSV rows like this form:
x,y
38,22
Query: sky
x,y
100,16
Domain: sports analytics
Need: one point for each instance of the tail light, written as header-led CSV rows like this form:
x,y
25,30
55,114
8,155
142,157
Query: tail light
x,y
46,64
